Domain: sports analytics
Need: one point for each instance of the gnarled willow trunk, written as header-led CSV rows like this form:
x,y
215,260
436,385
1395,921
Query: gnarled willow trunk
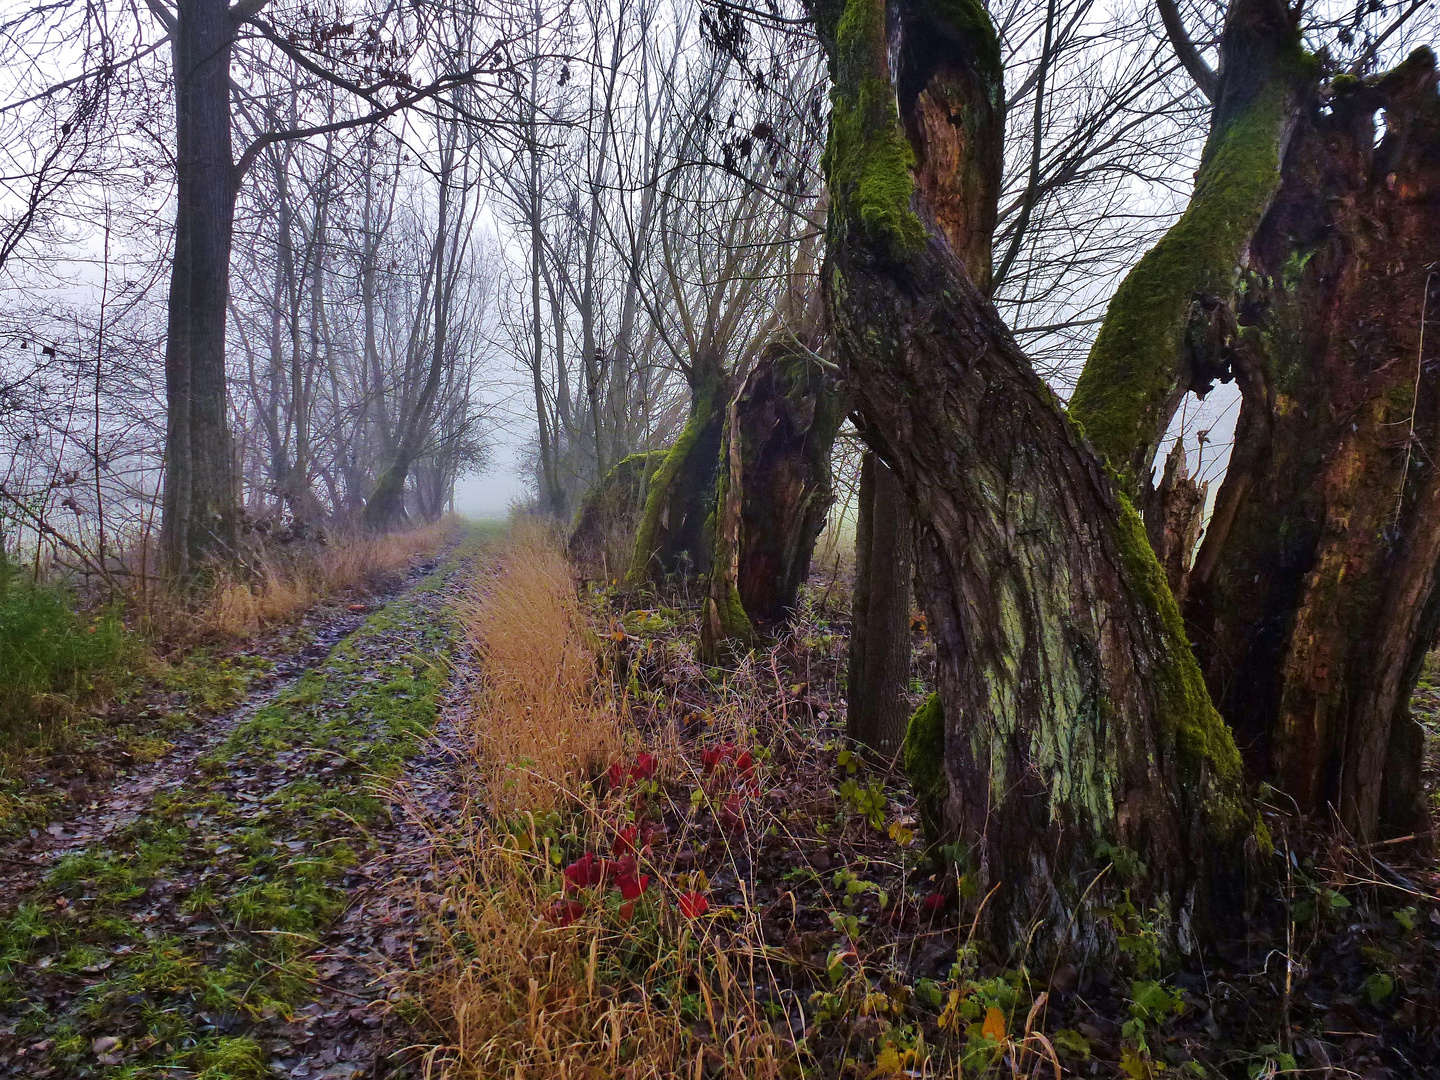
x,y
1076,724
1299,269
877,705
676,528
1158,340
1314,597
773,492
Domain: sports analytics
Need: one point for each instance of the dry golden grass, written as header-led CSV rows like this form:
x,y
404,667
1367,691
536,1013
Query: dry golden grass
x,y
522,990
542,726
284,584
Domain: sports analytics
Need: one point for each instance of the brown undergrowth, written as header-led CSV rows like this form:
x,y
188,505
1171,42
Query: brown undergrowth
x,y
673,870
573,947
668,870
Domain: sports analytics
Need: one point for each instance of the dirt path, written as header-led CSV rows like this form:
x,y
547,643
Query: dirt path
x,y
241,908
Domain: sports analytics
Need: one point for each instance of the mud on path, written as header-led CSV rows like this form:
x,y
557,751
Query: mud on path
x,y
248,905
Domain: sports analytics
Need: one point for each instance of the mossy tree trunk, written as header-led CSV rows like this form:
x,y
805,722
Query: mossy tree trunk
x,y
773,493
1164,334
675,535
603,538
1298,269
1314,597
878,680
1076,723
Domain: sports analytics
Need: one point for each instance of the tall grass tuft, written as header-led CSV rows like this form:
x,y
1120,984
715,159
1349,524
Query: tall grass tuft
x,y
54,658
542,728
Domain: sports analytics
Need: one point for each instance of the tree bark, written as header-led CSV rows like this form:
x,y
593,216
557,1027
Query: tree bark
x,y
877,699
1173,526
676,529
773,494
200,507
1079,744
1314,597
1161,337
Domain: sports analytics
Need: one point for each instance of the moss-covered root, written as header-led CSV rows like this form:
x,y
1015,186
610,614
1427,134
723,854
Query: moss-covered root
x,y
924,758
1140,366
724,622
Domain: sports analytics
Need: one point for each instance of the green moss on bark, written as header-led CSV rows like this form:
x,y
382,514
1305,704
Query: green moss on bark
x,y
868,160
924,758
1202,738
662,488
728,622
1137,364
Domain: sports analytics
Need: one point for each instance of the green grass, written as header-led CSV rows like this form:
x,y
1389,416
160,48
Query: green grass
x,y
263,876
54,658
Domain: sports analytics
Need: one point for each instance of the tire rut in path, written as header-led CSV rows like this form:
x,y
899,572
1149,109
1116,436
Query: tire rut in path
x,y
246,905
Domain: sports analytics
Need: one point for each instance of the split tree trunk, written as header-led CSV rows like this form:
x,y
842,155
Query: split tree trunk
x,y
676,529
1315,594
1299,269
1076,724
878,681
201,507
773,493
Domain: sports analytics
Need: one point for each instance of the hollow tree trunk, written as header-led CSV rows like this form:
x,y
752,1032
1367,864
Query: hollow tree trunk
x,y
1077,725
773,493
675,533
878,706
1315,594
200,505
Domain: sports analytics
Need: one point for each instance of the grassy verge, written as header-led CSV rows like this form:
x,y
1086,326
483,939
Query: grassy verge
x,y
54,659
155,952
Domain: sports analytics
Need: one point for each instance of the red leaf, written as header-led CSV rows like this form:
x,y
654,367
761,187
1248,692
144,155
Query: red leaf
x,y
565,912
745,766
584,873
645,766
625,841
716,756
732,815
616,774
631,887
693,905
